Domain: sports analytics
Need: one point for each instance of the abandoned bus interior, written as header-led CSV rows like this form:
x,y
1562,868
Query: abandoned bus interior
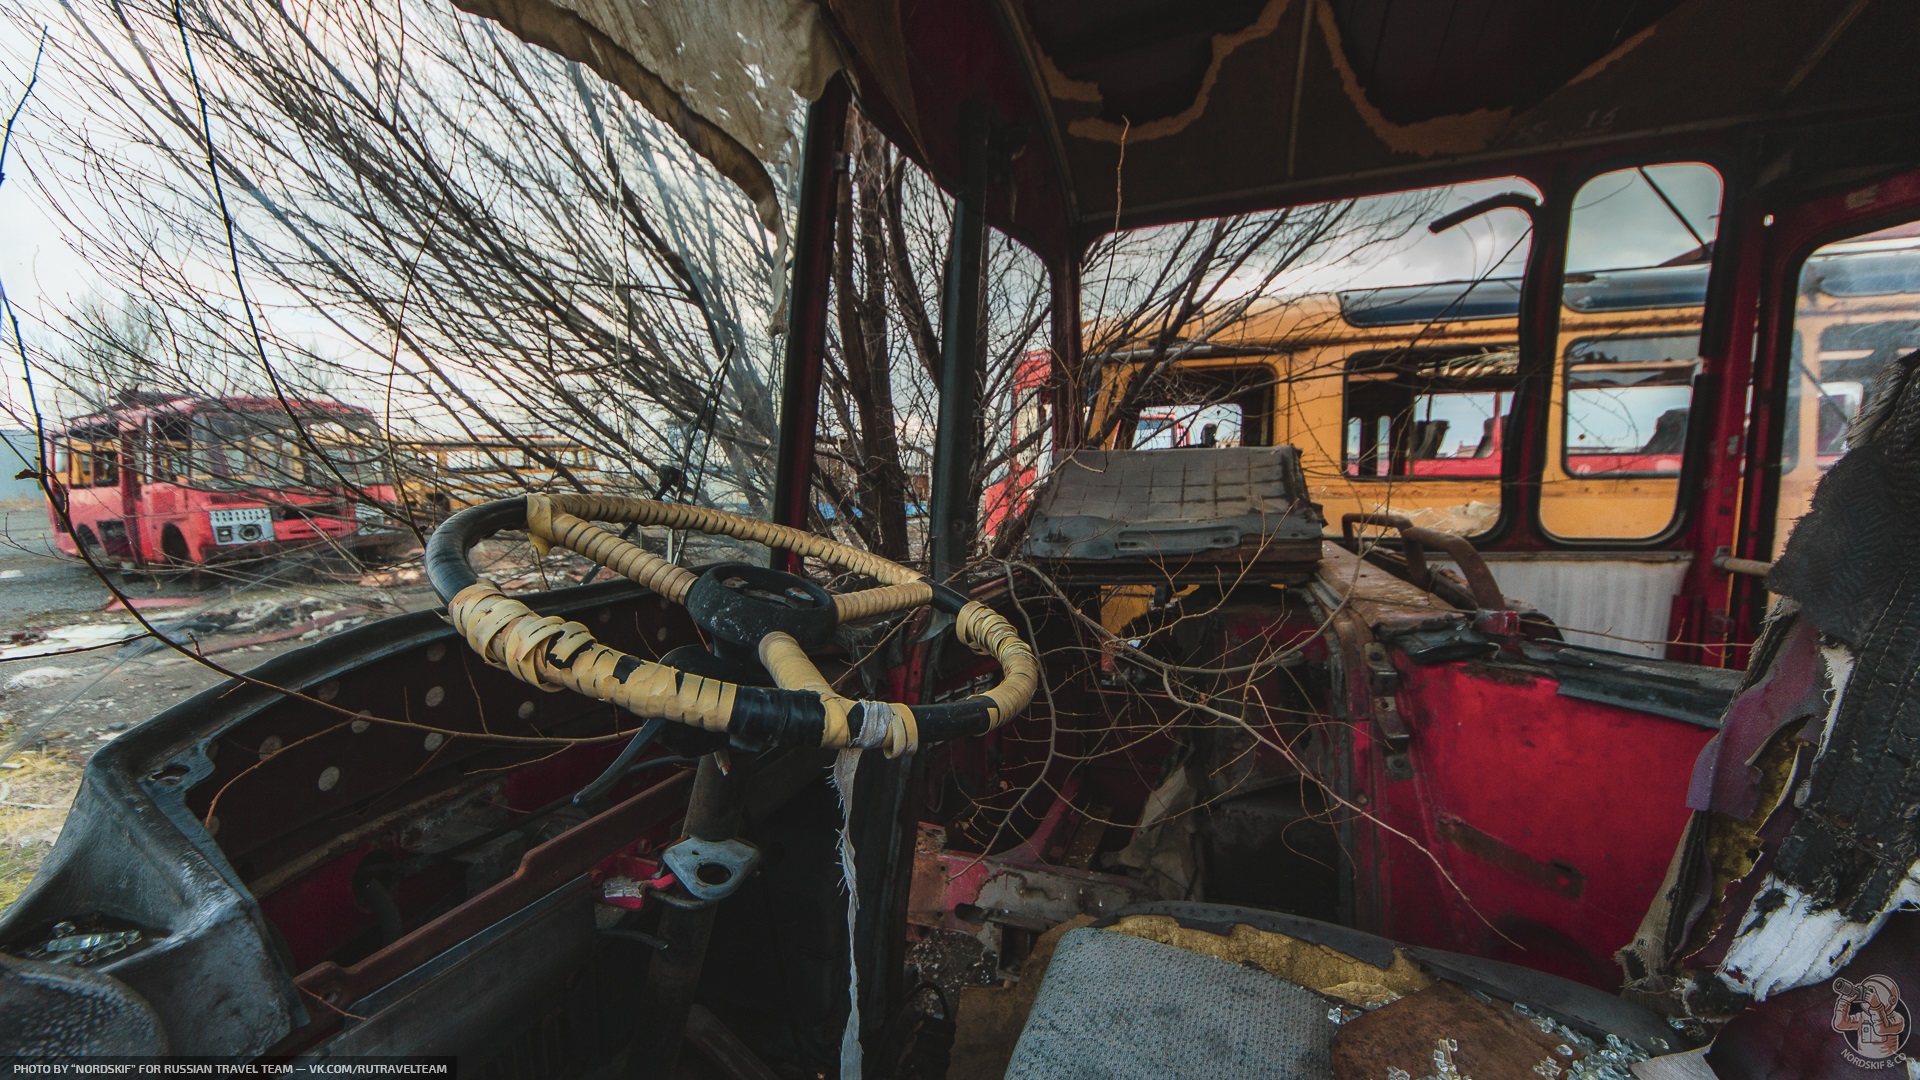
x,y
1508,677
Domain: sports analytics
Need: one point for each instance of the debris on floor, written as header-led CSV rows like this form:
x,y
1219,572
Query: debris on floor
x,y
188,632
393,577
149,603
990,1019
1447,1026
80,946
37,678
53,641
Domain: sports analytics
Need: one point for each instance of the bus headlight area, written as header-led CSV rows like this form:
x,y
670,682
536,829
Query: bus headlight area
x,y
241,525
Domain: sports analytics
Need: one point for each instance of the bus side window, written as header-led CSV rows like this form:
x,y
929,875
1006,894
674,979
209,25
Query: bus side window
x,y
105,468
1174,426
1430,413
172,450
79,471
1858,311
96,458
1626,404
210,461
1228,406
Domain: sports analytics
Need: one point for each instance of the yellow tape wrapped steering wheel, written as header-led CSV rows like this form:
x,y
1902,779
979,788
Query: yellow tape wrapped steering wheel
x,y
769,615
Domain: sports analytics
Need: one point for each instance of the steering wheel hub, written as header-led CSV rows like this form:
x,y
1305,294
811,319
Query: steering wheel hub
x,y
739,604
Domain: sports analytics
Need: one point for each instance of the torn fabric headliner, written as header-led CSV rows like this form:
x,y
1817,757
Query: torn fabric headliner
x,y
722,73
1235,105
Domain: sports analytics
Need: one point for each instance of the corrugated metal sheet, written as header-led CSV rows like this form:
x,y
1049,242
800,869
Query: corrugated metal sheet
x,y
18,453
1622,604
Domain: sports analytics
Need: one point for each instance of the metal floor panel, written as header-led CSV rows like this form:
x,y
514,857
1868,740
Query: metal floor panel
x,y
1117,1007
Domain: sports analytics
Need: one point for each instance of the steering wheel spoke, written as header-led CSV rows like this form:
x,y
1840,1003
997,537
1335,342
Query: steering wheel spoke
x,y
882,601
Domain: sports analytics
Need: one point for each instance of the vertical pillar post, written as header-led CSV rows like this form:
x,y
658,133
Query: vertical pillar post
x,y
1069,406
807,310
1523,449
714,812
953,444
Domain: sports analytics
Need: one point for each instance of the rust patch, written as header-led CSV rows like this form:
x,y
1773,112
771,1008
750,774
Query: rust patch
x,y
927,895
1448,1031
1502,674
1554,876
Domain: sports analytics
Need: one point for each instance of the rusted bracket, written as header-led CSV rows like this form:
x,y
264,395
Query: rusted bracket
x,y
1554,875
1383,682
1415,539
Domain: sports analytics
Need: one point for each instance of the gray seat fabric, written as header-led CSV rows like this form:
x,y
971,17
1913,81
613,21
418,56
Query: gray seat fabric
x,y
1116,1007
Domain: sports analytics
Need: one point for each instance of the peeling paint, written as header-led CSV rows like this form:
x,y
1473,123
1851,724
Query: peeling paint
x,y
1789,940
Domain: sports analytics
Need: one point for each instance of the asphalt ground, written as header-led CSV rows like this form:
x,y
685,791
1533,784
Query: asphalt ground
x,y
35,582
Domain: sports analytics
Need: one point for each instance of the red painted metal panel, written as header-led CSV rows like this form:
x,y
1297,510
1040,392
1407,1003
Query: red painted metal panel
x,y
317,914
1554,818
1700,626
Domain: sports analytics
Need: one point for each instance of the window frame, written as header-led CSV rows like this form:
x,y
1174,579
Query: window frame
x,y
1354,360
1719,323
1760,534
1566,410
1256,398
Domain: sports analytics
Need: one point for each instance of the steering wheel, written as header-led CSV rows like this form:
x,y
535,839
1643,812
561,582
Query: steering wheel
x,y
759,621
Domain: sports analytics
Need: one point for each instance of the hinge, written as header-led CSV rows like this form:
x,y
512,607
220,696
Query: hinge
x,y
1383,680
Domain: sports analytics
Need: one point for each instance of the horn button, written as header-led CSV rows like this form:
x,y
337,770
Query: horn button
x,y
737,604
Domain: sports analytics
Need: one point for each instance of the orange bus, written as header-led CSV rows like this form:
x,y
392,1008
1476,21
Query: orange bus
x,y
444,475
1396,397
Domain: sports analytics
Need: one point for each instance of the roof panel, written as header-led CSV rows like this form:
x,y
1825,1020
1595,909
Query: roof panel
x,y
1252,102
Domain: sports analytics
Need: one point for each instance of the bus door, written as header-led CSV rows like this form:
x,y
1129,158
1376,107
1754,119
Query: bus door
x,y
1842,291
132,462
1525,791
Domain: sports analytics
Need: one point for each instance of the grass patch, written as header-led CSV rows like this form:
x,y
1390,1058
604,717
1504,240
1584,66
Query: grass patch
x,y
34,799
17,867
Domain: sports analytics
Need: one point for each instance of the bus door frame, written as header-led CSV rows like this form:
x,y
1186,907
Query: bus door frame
x,y
1714,467
132,443
1701,622
1790,233
1730,481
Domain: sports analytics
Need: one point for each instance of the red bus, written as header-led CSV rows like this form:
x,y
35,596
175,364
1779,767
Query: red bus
x,y
1006,496
187,481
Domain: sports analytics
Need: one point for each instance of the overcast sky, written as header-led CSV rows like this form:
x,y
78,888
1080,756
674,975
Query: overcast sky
x,y
35,266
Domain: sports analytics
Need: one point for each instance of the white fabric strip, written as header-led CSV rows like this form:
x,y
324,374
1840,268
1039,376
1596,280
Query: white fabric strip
x,y
844,767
